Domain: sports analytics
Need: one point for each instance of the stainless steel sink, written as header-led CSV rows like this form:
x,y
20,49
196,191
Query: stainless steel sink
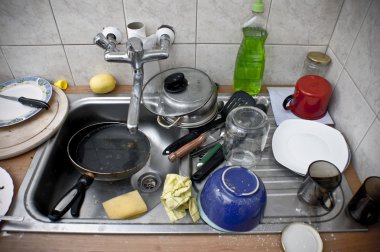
x,y
51,174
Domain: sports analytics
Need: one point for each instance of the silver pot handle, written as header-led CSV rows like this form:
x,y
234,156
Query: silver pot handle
x,y
162,123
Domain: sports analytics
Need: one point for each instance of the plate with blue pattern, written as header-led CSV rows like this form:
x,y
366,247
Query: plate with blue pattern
x,y
12,112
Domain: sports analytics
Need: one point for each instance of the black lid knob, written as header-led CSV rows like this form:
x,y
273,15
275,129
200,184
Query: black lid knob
x,y
175,83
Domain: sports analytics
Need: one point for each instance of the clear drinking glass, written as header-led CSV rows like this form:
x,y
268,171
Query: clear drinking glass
x,y
245,136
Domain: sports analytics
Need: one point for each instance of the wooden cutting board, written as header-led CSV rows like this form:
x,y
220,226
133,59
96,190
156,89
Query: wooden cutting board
x,y
22,137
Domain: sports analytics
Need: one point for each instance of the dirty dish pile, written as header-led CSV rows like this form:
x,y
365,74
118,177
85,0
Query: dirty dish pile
x,y
233,199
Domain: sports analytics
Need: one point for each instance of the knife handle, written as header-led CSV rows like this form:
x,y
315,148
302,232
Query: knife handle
x,y
187,148
208,167
33,103
210,153
180,142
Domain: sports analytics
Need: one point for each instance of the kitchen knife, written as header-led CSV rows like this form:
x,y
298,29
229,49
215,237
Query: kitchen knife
x,y
187,148
27,101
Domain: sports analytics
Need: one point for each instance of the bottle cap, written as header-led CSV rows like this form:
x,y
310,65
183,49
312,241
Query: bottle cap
x,y
319,58
258,6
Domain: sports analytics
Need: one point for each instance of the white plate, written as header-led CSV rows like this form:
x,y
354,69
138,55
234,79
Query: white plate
x,y
300,237
12,112
6,191
297,143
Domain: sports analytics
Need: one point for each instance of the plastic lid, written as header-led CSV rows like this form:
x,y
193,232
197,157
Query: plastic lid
x,y
301,237
177,92
258,6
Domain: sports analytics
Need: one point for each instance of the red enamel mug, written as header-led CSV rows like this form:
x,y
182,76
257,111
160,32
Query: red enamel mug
x,y
310,99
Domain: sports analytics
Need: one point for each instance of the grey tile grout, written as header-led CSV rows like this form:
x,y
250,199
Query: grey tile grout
x,y
336,22
357,34
6,61
62,44
364,136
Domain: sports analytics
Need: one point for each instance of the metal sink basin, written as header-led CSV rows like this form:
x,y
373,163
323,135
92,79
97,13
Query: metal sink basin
x,y
51,174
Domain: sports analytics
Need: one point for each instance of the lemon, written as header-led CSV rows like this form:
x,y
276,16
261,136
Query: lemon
x,y
102,83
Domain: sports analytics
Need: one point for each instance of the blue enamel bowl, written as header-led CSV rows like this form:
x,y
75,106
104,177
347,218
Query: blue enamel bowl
x,y
232,199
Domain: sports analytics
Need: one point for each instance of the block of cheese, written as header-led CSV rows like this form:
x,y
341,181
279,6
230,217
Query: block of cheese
x,y
125,206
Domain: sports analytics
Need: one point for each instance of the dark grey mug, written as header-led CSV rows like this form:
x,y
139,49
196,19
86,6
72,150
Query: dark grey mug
x,y
321,181
364,206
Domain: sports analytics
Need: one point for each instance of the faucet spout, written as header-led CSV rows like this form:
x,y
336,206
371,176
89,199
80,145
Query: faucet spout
x,y
136,56
134,105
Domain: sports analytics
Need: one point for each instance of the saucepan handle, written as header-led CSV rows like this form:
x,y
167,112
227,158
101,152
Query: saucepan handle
x,y
74,195
286,102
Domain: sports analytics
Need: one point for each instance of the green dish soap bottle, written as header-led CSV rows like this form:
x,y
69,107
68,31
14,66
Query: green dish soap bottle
x,y
250,60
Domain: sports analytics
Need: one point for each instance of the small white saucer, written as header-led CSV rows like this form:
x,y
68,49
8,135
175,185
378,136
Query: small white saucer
x,y
6,191
300,237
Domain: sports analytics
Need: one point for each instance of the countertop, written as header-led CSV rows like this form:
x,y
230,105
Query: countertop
x,y
17,167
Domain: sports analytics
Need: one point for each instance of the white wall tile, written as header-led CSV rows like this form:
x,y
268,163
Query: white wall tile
x,y
366,158
88,60
363,63
284,63
27,22
220,21
181,14
351,113
80,20
347,27
181,55
48,62
5,72
218,61
302,22
335,68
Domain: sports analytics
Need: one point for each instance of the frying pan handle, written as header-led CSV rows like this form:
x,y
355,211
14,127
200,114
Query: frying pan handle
x,y
187,148
67,200
75,208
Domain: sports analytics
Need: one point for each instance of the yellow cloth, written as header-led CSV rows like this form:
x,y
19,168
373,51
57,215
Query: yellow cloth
x,y
176,198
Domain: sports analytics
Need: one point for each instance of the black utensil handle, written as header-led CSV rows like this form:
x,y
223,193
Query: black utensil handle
x,y
208,167
67,200
75,208
33,103
180,142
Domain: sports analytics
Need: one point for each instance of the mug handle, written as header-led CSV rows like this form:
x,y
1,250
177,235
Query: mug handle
x,y
286,101
331,205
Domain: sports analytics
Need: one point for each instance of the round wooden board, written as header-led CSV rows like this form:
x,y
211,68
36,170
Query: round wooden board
x,y
22,137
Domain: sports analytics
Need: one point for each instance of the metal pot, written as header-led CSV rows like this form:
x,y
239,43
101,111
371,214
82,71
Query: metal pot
x,y
182,97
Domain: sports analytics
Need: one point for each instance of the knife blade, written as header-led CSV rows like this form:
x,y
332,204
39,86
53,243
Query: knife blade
x,y
27,101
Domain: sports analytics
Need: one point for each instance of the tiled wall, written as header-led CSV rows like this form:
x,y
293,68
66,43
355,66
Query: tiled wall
x,y
53,39
355,48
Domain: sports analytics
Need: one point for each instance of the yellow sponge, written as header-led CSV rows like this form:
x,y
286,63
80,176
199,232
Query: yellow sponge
x,y
125,206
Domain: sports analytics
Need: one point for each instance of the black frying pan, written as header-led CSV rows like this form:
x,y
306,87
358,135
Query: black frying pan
x,y
102,151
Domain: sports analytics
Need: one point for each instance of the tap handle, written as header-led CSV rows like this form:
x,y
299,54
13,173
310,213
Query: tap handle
x,y
135,44
101,41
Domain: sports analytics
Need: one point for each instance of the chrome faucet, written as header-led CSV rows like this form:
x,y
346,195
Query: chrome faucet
x,y
136,56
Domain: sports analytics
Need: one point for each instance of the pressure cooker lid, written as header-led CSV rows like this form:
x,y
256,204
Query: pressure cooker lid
x,y
177,92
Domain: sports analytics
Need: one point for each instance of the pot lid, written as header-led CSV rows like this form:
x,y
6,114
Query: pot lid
x,y
177,92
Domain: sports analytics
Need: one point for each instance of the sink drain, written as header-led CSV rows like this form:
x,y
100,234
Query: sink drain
x,y
149,182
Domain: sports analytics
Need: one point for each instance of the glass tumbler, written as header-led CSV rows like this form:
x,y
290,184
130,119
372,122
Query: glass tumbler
x,y
246,133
